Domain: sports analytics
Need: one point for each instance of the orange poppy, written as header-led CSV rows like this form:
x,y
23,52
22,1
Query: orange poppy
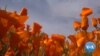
x,y
94,22
58,37
36,28
14,40
23,12
72,49
53,48
72,38
96,52
86,11
4,22
99,20
81,38
18,20
77,25
23,35
80,42
22,46
91,36
84,23
22,19
3,27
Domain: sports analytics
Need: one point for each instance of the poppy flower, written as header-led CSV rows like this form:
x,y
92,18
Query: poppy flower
x,y
53,48
3,27
98,20
23,35
96,52
22,19
22,46
72,38
23,12
72,49
58,37
86,11
81,38
77,25
80,42
94,22
80,34
18,20
84,23
14,40
4,22
36,28
91,36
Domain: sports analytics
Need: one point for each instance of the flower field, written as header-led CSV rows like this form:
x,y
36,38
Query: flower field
x,y
19,39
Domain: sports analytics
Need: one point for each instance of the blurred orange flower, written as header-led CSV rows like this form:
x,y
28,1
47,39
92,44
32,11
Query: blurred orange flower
x,y
36,28
58,37
86,11
94,22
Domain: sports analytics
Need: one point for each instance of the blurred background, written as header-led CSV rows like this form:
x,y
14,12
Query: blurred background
x,y
55,16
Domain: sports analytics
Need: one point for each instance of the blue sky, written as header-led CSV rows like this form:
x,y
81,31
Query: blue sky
x,y
56,16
